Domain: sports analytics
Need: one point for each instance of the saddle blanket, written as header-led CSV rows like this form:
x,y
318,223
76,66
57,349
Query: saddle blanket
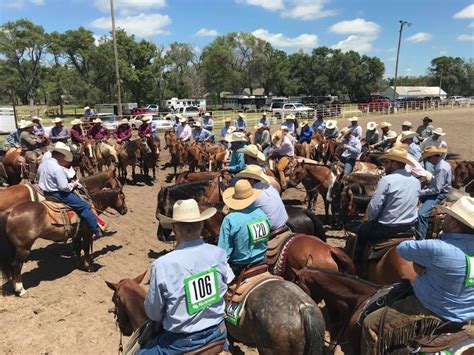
x,y
60,214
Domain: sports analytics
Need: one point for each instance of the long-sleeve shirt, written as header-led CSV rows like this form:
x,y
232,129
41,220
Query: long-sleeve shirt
x,y
414,149
319,125
353,148
306,134
225,131
240,123
237,161
123,132
291,126
372,137
271,203
441,181
145,130
235,237
356,131
208,123
98,132
285,148
416,170
184,132
29,141
38,131
265,121
424,131
262,138
331,133
175,290
443,288
76,135
436,143
59,134
201,135
53,177
13,138
395,199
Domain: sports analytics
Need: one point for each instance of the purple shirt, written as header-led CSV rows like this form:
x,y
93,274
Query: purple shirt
x,y
145,130
98,132
123,132
76,135
59,134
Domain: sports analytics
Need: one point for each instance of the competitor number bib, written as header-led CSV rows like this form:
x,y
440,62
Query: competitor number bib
x,y
259,231
202,290
470,270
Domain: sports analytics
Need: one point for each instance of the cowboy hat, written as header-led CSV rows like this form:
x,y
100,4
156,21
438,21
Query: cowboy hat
x,y
236,137
303,123
264,113
385,124
331,124
354,119
124,121
345,131
87,108
75,122
252,150
290,117
62,148
36,118
390,135
427,119
407,124
145,118
182,119
259,125
25,124
241,196
187,211
439,131
227,119
285,128
407,135
397,154
462,210
97,120
241,115
432,150
207,114
371,125
254,172
57,120
197,125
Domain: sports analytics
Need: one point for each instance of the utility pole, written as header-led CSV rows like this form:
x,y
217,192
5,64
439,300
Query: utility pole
x,y
117,74
440,82
402,23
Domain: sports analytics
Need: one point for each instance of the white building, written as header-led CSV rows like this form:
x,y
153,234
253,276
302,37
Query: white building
x,y
419,92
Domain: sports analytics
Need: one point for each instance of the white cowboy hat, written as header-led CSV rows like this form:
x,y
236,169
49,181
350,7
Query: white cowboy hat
x,y
285,128
331,124
439,131
407,135
264,113
76,121
183,120
303,123
371,125
25,124
432,150
241,196
390,135
187,211
236,137
252,150
62,148
124,121
87,108
207,114
407,124
241,115
57,120
259,125
254,172
97,120
227,119
345,131
145,118
290,117
385,124
397,154
354,119
197,124
36,118
462,210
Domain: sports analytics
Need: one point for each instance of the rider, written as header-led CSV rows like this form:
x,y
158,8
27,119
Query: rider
x,y
306,133
240,123
262,138
201,135
28,141
408,137
371,135
438,189
77,135
264,120
252,155
444,285
319,124
237,140
123,132
245,230
208,122
145,130
59,133
392,208
226,129
355,128
97,131
284,151
184,131
290,123
387,142
186,293
38,129
436,141
53,181
331,131
351,149
13,138
426,129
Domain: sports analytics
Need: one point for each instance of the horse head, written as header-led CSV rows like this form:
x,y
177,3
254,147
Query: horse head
x,y
297,173
119,204
462,173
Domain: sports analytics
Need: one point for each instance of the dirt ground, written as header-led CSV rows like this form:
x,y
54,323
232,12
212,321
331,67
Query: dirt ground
x,y
67,310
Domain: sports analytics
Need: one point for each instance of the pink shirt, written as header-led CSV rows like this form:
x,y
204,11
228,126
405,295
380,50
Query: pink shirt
x,y
416,170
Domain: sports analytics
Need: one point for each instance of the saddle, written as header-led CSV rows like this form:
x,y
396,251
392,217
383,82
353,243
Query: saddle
x,y
377,251
277,240
446,341
61,215
277,251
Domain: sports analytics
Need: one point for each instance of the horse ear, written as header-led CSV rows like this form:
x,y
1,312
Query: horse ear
x,y
111,285
309,261
139,278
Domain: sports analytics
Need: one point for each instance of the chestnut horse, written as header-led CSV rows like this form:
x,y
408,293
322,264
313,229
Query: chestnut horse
x,y
28,221
464,176
14,164
196,157
177,151
128,154
151,155
279,317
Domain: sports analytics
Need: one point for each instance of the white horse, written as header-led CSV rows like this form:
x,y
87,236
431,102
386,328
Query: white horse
x,y
105,154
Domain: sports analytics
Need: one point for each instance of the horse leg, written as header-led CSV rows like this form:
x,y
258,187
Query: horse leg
x,y
87,261
20,257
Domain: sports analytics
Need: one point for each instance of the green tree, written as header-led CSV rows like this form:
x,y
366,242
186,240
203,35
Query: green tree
x,y
451,71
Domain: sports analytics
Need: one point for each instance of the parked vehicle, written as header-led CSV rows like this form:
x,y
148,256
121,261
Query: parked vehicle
x,y
376,105
174,103
153,107
159,123
297,109
458,100
189,112
140,111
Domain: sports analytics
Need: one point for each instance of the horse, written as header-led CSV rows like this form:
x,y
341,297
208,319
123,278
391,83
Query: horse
x,y
177,151
150,153
14,164
304,221
464,176
279,317
196,157
82,162
105,154
25,222
128,154
102,180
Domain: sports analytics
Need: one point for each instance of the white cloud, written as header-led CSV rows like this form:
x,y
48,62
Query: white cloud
x,y
361,44
443,52
132,5
303,41
465,37
357,26
270,5
19,4
142,25
307,10
471,25
419,37
467,12
205,32
37,2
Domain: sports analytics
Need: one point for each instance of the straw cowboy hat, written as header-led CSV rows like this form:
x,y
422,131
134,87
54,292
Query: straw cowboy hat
x,y
345,131
182,119
304,123
285,128
187,211
197,125
227,120
385,124
57,120
407,135
76,121
259,125
439,131
252,150
462,210
241,115
124,121
62,148
241,196
354,119
254,172
432,150
397,154
390,135
407,124
207,114
36,118
290,117
331,124
236,137
25,124
264,113
371,125
146,118
87,108
97,120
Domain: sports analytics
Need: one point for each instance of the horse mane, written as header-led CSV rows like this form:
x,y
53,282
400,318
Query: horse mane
x,y
333,273
188,189
94,179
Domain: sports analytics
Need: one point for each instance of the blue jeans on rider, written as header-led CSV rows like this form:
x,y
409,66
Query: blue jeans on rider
x,y
424,213
349,165
78,205
178,343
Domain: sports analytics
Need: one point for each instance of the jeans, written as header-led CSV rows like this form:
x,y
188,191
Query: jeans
x,y
178,343
78,205
266,150
424,213
348,165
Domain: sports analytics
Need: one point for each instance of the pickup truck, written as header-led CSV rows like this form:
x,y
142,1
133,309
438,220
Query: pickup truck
x,y
375,105
189,112
297,109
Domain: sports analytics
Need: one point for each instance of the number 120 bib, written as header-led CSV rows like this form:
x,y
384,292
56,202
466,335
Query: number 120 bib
x,y
202,290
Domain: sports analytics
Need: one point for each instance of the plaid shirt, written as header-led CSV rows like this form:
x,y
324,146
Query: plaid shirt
x,y
442,289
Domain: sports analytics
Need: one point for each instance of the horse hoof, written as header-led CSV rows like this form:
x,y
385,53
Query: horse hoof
x,y
93,268
22,293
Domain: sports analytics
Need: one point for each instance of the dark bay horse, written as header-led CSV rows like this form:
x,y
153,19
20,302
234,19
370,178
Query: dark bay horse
x,y
279,317
128,154
28,221
464,176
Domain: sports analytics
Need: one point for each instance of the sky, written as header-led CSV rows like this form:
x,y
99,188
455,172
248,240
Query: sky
x,y
438,27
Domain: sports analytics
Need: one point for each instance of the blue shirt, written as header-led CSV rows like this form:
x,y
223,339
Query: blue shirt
x,y
166,297
208,123
241,124
356,131
395,199
52,176
271,203
441,181
225,131
201,135
305,134
291,126
319,124
442,288
234,237
237,161
265,121
414,150
353,148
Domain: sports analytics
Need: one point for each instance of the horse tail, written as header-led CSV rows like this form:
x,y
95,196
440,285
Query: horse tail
x,y
317,225
343,261
7,249
313,325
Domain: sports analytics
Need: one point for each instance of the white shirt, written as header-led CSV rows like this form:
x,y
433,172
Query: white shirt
x,y
184,132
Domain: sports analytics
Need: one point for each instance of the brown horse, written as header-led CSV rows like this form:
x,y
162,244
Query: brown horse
x,y
102,180
14,164
82,162
177,151
464,176
189,176
28,221
197,158
150,153
128,154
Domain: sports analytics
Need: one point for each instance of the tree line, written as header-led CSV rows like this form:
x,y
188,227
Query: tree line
x,y
53,68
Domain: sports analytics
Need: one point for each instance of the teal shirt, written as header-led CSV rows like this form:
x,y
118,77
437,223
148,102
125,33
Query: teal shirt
x,y
237,161
235,237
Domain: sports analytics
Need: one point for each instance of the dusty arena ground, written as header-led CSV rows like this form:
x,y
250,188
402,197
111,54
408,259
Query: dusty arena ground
x,y
67,310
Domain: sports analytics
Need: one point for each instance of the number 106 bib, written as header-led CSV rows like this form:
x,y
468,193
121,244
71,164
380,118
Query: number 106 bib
x,y
202,290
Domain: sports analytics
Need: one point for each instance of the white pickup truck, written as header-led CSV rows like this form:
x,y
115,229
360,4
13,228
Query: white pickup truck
x,y
297,109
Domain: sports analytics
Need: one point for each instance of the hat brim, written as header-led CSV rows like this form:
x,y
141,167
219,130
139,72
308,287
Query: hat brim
x,y
260,156
248,175
206,214
439,133
396,158
457,216
239,204
65,152
411,136
425,156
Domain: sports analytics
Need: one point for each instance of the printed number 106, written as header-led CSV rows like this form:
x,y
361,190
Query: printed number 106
x,y
202,287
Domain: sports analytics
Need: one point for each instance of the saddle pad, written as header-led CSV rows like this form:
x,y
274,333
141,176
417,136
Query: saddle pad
x,y
444,341
60,214
35,193
377,251
237,295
